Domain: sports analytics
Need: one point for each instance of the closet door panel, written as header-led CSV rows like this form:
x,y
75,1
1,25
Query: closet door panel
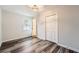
x,y
51,28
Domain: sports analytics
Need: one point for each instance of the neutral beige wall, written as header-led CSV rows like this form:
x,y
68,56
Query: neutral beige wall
x,y
68,25
13,25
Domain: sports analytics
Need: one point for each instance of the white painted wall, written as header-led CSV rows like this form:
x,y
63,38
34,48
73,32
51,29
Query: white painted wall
x,y
41,26
68,25
0,27
13,24
68,17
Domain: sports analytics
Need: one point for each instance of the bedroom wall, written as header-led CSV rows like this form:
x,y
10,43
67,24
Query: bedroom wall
x,y
68,25
68,19
41,26
13,26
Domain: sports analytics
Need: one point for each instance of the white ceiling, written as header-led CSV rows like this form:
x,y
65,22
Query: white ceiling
x,y
25,9
21,9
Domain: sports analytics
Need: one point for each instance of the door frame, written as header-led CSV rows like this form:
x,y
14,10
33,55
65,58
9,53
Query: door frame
x,y
46,25
36,26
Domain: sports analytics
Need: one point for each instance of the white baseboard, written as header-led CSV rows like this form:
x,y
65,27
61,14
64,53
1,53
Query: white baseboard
x,y
40,38
15,39
74,49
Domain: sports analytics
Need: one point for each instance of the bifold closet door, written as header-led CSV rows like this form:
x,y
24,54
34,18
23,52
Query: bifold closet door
x,y
51,28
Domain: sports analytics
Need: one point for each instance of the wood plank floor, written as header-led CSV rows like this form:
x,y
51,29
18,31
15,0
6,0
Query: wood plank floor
x,y
32,45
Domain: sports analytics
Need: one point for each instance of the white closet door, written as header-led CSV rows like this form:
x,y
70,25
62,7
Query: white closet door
x,y
51,28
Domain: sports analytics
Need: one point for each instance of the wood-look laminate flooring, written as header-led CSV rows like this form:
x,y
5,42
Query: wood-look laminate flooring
x,y
32,45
